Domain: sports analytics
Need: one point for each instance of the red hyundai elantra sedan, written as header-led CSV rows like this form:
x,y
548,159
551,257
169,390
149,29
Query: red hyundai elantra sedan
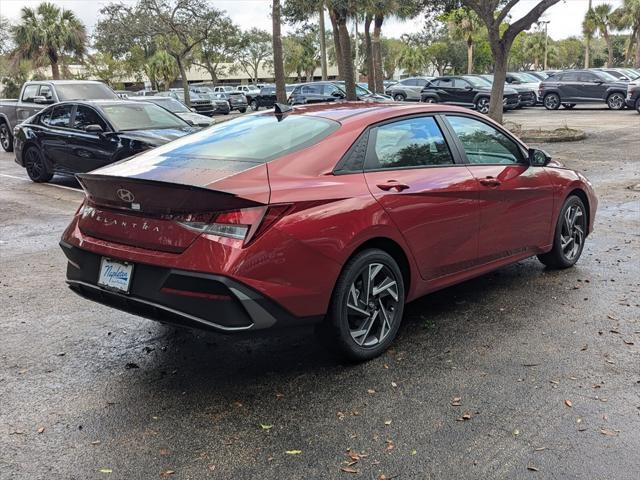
x,y
336,214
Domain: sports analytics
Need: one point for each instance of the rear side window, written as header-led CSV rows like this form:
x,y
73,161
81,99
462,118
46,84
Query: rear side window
x,y
414,142
570,77
60,116
484,144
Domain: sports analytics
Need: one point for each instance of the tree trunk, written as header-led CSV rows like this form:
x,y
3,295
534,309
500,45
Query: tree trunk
x,y
587,50
336,43
469,56
185,82
500,54
55,70
371,73
323,42
607,40
347,61
278,63
377,53
637,64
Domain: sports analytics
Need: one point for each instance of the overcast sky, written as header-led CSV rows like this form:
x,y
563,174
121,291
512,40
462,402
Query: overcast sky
x,y
565,17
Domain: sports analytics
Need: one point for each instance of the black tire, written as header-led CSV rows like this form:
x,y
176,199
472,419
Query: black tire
x,y
568,106
551,101
430,100
254,106
638,105
482,105
399,97
615,101
559,257
226,113
37,167
371,314
242,110
6,138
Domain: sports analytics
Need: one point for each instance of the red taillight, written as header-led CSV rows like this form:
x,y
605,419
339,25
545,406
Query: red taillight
x,y
243,224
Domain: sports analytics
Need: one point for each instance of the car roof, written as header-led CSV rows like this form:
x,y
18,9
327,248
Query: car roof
x,y
62,82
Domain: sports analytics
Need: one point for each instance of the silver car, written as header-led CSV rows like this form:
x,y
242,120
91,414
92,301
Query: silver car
x,y
408,89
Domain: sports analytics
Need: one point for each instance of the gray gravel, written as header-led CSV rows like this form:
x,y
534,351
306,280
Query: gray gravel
x,y
546,364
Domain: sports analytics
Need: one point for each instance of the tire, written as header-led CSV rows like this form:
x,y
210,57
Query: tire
x,y
6,138
36,166
359,324
615,101
638,105
242,110
254,106
569,236
430,100
482,105
551,101
568,106
399,97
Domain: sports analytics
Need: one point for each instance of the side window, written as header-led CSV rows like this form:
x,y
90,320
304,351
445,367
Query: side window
x,y
484,144
330,89
60,116
587,77
459,83
446,83
570,77
86,116
29,93
312,90
434,83
45,91
415,142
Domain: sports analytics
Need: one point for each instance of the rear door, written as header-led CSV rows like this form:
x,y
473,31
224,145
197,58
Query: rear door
x,y
411,171
515,199
570,87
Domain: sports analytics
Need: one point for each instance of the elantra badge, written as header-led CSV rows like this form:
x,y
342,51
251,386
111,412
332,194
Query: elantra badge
x,y
125,195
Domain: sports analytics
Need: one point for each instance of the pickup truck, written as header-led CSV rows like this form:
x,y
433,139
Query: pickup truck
x,y
36,95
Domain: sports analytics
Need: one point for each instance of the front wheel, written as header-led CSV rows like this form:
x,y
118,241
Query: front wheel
x,y
36,166
551,101
399,97
569,236
6,139
429,100
615,101
366,306
482,105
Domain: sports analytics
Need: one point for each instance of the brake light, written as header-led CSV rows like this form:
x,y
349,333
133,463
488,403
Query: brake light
x,y
243,224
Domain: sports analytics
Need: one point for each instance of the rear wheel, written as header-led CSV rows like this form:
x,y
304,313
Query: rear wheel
x,y
366,306
6,139
37,168
551,101
242,110
254,106
568,106
615,101
570,233
399,97
430,100
482,105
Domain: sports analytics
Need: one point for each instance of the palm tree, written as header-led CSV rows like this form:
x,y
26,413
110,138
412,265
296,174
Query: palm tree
x,y
534,47
48,33
627,17
603,22
162,66
412,60
588,29
278,63
464,25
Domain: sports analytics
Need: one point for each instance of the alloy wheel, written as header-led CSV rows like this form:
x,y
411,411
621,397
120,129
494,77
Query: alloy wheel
x,y
33,163
398,97
616,101
572,232
430,100
372,303
5,138
483,105
551,101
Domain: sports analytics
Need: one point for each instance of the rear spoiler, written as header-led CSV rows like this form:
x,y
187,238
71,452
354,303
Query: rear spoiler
x,y
156,197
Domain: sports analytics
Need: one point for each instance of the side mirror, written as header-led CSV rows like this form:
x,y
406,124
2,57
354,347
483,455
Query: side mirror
x,y
538,158
190,122
93,129
468,88
42,100
337,94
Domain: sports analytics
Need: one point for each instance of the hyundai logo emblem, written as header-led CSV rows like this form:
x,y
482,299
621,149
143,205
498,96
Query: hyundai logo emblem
x,y
125,195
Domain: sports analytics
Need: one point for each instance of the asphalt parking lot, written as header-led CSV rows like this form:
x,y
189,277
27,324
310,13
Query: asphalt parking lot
x,y
523,373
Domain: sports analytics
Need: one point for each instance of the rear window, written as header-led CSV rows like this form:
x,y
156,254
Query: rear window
x,y
256,139
85,91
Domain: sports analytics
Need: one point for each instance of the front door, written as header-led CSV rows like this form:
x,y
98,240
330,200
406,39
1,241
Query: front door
x,y
515,199
54,134
411,171
592,87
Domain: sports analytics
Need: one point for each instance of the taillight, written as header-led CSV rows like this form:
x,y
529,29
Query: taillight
x,y
243,224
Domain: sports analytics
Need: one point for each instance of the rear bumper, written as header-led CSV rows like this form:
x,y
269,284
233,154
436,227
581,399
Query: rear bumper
x,y
179,297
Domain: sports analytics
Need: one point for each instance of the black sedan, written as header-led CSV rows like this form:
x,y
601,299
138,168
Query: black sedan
x,y
74,137
466,91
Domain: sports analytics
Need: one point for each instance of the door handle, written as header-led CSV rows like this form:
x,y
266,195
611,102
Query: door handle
x,y
490,182
392,184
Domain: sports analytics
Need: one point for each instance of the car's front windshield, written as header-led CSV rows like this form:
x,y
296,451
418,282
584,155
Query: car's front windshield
x,y
631,74
139,116
606,77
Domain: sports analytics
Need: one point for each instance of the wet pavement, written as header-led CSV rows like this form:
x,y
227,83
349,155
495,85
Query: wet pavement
x,y
522,373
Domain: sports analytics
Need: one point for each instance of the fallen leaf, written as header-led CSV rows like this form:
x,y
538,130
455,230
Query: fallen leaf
x,y
568,403
456,402
395,385
164,452
516,432
293,452
41,430
539,449
414,452
627,342
608,433
96,442
279,395
532,468
266,427
371,391
390,445
105,470
167,473
348,470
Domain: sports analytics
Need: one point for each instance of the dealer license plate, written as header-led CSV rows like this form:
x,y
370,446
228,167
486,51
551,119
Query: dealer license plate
x,y
115,275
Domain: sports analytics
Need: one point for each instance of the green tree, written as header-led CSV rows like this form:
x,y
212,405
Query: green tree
x,y
163,67
105,67
602,19
627,17
464,25
391,50
412,59
534,47
570,53
255,50
46,33
219,48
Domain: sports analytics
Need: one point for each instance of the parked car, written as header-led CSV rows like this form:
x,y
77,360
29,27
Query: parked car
x,y
224,88
361,210
36,95
539,75
527,92
571,87
237,101
387,83
633,95
200,104
249,91
266,98
179,109
329,91
466,90
407,89
220,103
621,74
146,93
80,136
